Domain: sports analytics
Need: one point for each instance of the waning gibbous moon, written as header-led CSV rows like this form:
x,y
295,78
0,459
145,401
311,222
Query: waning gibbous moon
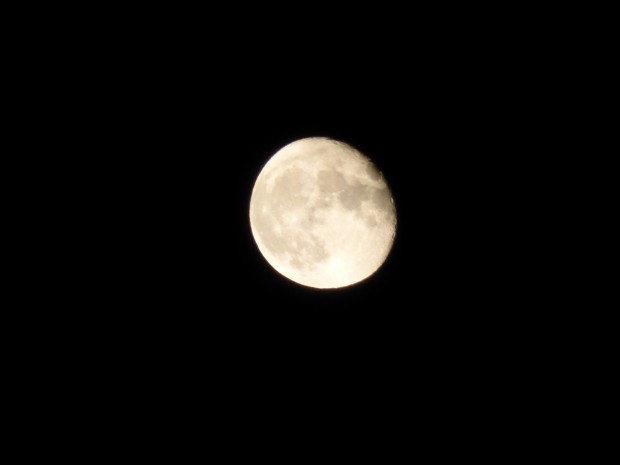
x,y
322,214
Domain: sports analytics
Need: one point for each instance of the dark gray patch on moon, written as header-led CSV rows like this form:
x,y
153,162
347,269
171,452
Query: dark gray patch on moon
x,y
382,199
331,181
370,221
312,218
353,196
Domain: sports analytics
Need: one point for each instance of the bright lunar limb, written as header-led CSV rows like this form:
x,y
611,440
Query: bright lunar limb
x,y
322,214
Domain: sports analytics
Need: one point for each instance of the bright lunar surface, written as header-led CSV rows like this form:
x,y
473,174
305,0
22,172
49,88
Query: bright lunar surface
x,y
322,214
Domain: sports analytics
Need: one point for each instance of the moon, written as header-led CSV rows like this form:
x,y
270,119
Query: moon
x,y
322,214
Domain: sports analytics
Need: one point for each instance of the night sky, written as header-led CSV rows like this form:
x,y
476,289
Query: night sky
x,y
192,261
181,298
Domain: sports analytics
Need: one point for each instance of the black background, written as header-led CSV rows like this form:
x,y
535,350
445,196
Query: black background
x,y
182,150
172,305
183,273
